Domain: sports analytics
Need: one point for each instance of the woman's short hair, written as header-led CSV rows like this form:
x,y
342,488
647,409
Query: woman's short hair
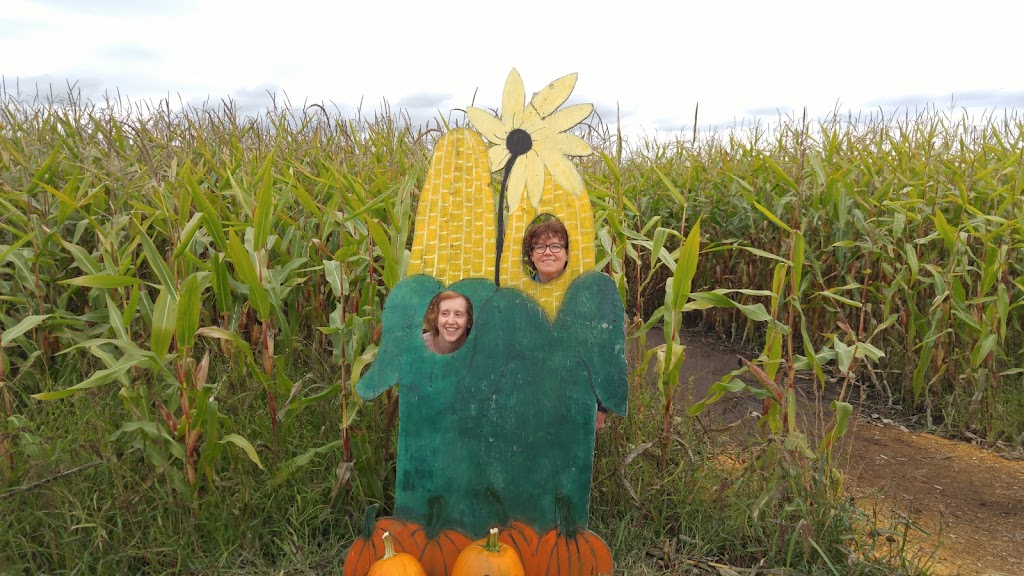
x,y
539,231
433,309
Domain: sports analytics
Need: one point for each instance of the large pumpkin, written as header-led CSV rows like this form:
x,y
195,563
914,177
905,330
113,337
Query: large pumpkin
x,y
434,546
488,557
395,564
571,550
519,535
366,548
407,536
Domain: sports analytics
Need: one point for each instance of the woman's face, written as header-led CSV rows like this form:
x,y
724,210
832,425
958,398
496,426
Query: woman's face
x,y
549,263
452,318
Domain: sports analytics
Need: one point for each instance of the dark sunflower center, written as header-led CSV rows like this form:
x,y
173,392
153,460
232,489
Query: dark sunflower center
x,y
518,142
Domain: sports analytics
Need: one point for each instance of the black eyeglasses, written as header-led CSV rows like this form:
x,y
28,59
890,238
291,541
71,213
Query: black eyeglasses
x,y
554,248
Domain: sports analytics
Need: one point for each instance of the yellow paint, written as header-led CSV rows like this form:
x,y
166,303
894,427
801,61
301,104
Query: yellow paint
x,y
455,221
574,212
455,224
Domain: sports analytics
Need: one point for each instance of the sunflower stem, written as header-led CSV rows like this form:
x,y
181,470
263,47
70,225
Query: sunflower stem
x,y
500,235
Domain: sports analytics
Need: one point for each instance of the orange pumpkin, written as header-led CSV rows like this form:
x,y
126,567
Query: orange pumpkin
x,y
395,564
408,536
366,548
441,551
442,546
519,535
571,550
488,557
435,547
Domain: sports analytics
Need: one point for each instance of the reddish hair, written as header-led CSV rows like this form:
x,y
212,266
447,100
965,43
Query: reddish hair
x,y
433,309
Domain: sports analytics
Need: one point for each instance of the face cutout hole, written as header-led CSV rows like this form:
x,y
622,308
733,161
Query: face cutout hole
x,y
545,249
447,322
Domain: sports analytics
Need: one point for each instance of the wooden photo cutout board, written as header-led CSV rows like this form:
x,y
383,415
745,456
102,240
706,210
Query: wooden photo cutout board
x,y
501,431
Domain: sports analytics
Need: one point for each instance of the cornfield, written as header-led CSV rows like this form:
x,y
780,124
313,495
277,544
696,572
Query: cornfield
x,y
163,263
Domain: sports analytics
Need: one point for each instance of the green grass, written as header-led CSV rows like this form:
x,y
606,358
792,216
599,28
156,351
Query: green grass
x,y
761,505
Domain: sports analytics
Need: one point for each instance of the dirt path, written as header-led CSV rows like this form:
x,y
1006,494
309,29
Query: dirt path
x,y
968,500
967,503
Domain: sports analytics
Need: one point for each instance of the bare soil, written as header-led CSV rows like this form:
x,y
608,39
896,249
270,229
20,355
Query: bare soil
x,y
964,503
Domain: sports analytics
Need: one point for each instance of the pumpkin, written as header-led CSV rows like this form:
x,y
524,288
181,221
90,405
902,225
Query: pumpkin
x,y
441,546
569,549
366,548
407,536
435,547
519,535
395,564
488,557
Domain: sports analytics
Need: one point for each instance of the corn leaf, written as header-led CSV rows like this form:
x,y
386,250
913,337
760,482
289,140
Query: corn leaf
x,y
189,304
187,234
264,208
685,269
27,323
158,264
246,272
246,447
101,281
946,231
99,378
211,218
233,337
164,317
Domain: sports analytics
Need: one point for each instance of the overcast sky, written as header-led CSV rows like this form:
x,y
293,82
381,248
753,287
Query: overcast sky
x,y
653,59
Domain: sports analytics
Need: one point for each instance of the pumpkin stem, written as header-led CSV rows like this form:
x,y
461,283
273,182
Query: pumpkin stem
x,y
435,516
492,544
566,517
389,546
369,520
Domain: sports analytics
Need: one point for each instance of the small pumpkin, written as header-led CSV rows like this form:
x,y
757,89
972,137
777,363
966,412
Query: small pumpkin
x,y
366,548
395,563
488,557
517,534
570,549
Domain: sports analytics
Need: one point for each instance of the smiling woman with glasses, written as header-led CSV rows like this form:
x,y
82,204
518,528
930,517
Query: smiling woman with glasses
x,y
546,246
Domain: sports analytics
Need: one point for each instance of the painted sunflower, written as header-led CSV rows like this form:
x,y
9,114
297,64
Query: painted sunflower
x,y
527,138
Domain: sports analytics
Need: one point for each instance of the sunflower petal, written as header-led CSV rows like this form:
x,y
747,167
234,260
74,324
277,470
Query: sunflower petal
x,y
553,95
513,99
561,168
488,125
497,157
531,122
534,177
568,117
516,184
571,145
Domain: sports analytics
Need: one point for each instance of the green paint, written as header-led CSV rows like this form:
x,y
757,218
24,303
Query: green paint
x,y
512,411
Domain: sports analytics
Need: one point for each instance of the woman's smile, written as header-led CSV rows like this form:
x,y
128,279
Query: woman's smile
x,y
549,257
452,317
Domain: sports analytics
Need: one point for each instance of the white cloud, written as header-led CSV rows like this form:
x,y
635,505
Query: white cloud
x,y
655,61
